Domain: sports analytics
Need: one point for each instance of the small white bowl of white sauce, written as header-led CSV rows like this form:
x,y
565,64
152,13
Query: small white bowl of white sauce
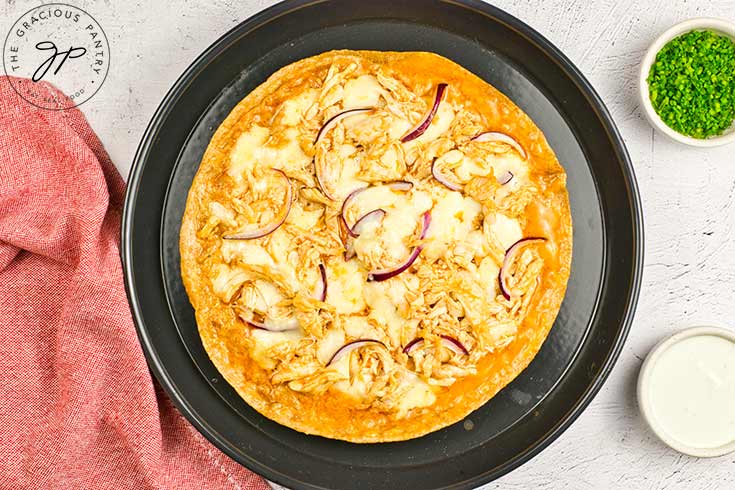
x,y
686,391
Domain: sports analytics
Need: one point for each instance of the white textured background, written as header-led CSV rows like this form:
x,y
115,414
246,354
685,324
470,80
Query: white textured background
x,y
688,197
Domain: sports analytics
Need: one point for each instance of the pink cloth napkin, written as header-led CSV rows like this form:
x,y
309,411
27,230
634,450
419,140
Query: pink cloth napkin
x,y
78,407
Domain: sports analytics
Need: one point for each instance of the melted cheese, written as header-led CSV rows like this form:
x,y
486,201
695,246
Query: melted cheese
x,y
294,108
450,159
439,125
506,230
279,246
451,220
289,156
347,175
357,327
247,251
329,344
389,159
345,280
513,163
398,224
342,366
398,127
403,216
375,197
250,151
363,91
414,392
382,310
476,242
418,394
357,387
465,168
227,281
469,168
223,214
302,218
489,272
243,157
498,335
264,340
509,162
252,253
269,294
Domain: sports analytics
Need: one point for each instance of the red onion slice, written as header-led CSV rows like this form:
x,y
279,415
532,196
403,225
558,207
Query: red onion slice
x,y
374,216
505,177
425,223
494,136
425,122
384,274
396,185
350,346
326,127
348,200
346,238
454,345
275,325
399,185
442,179
261,231
349,251
447,341
510,255
332,121
414,344
320,181
321,290
345,234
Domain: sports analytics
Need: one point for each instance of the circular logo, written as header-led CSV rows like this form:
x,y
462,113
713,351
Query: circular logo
x,y
60,44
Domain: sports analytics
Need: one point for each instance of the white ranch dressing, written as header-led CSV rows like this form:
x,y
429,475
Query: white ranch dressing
x,y
691,392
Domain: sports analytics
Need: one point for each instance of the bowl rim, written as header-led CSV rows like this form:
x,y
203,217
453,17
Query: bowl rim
x,y
722,26
643,391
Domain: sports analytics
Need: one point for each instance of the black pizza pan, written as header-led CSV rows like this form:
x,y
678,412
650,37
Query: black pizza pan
x,y
586,338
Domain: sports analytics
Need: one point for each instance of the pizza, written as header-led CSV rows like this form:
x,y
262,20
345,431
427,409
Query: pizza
x,y
375,244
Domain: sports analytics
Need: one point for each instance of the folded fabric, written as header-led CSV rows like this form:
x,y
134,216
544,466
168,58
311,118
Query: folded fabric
x,y
78,406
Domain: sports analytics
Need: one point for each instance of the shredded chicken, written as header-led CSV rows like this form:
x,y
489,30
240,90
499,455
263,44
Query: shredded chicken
x,y
450,292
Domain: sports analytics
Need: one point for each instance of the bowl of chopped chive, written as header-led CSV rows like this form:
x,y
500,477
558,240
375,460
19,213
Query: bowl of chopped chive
x,y
687,82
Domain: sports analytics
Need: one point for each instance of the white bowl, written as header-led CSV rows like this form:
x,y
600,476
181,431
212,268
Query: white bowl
x,y
718,25
645,403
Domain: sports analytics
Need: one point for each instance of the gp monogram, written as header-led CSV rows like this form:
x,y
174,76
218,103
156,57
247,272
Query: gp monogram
x,y
59,44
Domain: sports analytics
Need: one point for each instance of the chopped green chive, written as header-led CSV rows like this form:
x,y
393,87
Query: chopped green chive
x,y
692,84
